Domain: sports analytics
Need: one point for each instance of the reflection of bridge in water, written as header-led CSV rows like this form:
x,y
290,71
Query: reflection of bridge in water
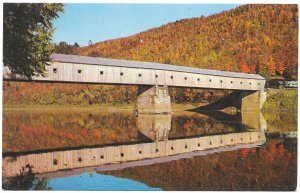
x,y
154,127
157,127
61,160
145,162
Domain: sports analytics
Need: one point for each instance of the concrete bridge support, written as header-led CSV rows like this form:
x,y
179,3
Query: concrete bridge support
x,y
251,100
153,99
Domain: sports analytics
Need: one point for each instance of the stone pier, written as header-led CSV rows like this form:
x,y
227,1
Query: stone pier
x,y
156,99
153,99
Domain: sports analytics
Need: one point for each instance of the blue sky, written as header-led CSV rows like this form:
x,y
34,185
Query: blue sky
x,y
98,22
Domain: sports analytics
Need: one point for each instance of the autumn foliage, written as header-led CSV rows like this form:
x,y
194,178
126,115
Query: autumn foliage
x,y
26,93
59,128
260,39
251,38
271,167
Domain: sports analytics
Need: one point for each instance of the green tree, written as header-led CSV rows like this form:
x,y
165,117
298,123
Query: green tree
x,y
76,45
27,32
90,43
26,180
64,48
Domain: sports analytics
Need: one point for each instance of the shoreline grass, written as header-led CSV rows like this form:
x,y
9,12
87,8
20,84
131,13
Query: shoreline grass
x,y
281,100
175,107
278,100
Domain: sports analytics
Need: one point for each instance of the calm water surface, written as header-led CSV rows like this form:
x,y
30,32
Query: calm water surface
x,y
269,165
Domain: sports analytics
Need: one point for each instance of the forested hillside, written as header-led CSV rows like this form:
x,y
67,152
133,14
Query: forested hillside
x,y
252,38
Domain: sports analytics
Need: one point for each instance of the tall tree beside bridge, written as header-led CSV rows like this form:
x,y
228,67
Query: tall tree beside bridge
x,y
27,32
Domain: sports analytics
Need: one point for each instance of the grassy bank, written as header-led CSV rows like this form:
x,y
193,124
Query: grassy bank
x,y
45,96
102,107
281,100
31,94
69,107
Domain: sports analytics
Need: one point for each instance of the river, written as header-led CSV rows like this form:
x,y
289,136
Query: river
x,y
90,149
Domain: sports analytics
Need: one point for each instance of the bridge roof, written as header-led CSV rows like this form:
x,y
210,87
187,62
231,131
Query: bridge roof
x,y
147,65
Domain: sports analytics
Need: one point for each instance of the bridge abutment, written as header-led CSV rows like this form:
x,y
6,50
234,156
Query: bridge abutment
x,y
153,99
251,100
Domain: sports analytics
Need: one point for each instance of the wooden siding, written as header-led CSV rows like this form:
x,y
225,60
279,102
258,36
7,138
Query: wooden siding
x,y
69,72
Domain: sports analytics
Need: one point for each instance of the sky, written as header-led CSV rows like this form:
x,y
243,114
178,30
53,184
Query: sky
x,y
98,22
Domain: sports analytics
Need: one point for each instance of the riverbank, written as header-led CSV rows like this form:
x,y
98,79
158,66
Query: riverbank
x,y
102,107
70,107
281,100
45,96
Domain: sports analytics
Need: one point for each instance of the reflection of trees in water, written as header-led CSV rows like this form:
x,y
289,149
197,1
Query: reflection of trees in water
x,y
83,128
272,166
281,122
26,180
65,129
191,124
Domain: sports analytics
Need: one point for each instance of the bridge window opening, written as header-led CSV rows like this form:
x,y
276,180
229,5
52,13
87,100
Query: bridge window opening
x,y
79,71
122,154
54,70
231,82
185,78
140,152
209,80
121,73
241,82
221,141
156,150
79,159
231,140
210,143
140,75
258,137
55,162
198,79
102,156
156,76
221,81
258,83
172,148
250,83
94,157
101,72
198,144
185,146
171,77
241,139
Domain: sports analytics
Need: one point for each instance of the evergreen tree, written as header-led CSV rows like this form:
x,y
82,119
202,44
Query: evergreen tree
x,y
76,45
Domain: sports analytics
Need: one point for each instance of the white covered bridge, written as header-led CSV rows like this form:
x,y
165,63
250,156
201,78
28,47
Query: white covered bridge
x,y
82,69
